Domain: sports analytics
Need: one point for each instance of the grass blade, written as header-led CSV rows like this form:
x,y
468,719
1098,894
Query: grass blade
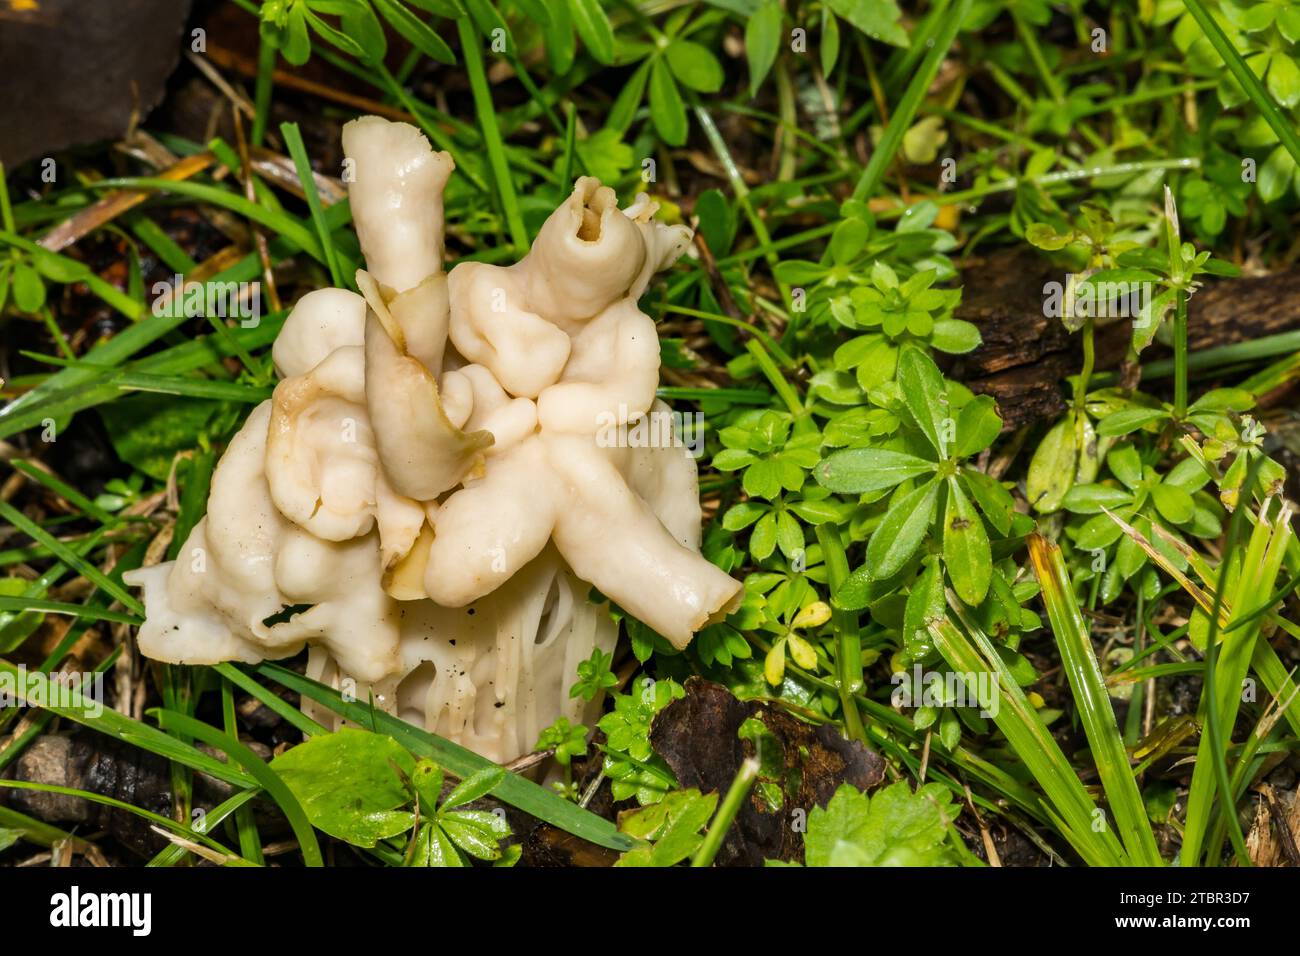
x,y
37,690
1093,702
267,778
157,820
1243,576
901,121
173,853
276,704
87,611
1069,802
487,117
298,152
1244,75
69,557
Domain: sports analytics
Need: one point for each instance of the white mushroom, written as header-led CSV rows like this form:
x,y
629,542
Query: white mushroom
x,y
321,322
395,184
430,495
423,453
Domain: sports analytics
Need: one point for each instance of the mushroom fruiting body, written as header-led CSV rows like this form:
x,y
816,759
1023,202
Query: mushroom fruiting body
x,y
430,495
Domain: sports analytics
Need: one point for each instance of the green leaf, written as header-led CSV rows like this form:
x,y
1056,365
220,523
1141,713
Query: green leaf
x,y
360,23
150,430
1224,399
1129,420
762,42
1288,23
1097,533
717,221
335,37
1125,464
895,827
730,459
427,778
59,268
878,19
1043,236
925,602
902,531
857,471
1018,666
799,271
625,106
966,551
742,515
1284,79
416,32
560,46
1090,499
994,500
762,540
978,424
879,364
447,9
29,290
434,848
666,107
346,783
955,336
470,835
1174,503
515,790
540,12
789,534
673,825
694,65
486,18
593,26
855,351
762,479
1051,470
883,275
1276,174
830,41
478,784
924,395
1189,474
854,593
296,44
848,240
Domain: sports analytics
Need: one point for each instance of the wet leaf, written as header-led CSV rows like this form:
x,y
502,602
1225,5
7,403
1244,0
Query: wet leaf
x,y
966,552
895,827
902,531
861,470
348,785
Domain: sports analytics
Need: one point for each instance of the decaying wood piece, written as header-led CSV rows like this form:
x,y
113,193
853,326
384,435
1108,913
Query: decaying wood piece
x,y
1275,831
96,764
1027,355
705,736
